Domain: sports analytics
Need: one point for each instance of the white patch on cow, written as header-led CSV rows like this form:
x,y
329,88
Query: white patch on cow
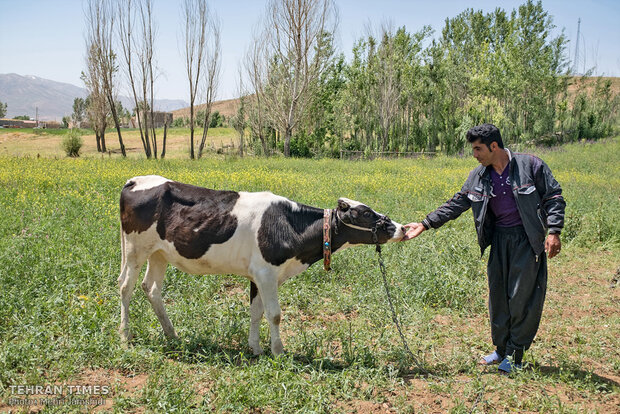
x,y
398,234
352,203
146,182
346,246
289,269
295,206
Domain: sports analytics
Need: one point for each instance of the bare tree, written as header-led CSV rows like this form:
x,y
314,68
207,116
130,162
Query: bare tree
x,y
147,57
97,107
100,18
194,37
211,73
255,67
126,12
294,30
238,121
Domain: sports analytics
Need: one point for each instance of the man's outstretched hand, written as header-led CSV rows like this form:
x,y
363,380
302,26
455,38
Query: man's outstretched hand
x,y
413,230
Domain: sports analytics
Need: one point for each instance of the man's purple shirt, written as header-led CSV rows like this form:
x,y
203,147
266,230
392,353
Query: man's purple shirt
x,y
503,204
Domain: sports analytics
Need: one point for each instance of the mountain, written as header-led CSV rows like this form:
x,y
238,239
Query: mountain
x,y
24,94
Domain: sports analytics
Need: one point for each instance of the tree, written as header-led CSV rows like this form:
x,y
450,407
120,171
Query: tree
x,y
255,68
100,19
3,107
292,35
211,76
97,107
97,112
195,14
79,110
238,121
126,34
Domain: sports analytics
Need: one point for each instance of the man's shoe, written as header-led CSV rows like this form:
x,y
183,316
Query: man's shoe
x,y
490,359
507,366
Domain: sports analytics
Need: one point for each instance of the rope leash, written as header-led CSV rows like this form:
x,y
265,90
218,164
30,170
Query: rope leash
x,y
394,315
416,361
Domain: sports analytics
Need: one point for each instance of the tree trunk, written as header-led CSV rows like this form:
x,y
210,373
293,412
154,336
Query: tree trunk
x,y
191,131
163,150
145,118
287,141
263,142
116,124
98,141
103,148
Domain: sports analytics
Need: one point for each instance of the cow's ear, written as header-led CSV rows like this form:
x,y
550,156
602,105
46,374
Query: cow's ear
x,y
343,205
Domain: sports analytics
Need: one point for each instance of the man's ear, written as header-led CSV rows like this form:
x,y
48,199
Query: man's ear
x,y
493,146
343,205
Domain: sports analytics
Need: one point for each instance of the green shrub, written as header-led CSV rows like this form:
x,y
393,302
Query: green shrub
x,y
72,143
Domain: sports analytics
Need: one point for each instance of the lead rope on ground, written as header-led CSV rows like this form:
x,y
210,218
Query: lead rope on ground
x,y
394,315
416,361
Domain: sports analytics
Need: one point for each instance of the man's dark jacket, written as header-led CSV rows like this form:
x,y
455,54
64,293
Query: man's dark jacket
x,y
538,196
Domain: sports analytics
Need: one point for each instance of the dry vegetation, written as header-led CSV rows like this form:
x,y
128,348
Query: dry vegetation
x,y
26,142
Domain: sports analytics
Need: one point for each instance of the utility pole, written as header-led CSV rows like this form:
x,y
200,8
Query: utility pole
x,y
576,62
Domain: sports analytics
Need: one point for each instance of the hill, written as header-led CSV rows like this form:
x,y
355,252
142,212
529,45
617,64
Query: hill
x,y
579,83
25,94
226,107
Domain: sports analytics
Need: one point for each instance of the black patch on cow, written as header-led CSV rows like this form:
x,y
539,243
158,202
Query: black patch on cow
x,y
253,291
361,216
192,218
139,209
285,233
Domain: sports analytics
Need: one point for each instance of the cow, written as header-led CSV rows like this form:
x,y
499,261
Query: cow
x,y
258,235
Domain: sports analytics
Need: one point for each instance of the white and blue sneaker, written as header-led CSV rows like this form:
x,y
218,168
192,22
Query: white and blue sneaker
x,y
491,359
507,366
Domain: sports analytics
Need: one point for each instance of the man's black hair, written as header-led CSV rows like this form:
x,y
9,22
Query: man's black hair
x,y
486,133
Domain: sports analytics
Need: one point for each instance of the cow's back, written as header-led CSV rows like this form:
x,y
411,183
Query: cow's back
x,y
197,229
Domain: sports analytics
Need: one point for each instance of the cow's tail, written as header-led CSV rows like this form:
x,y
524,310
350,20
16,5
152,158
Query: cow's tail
x,y
123,258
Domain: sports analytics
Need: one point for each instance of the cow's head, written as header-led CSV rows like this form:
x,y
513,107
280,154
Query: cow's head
x,y
363,225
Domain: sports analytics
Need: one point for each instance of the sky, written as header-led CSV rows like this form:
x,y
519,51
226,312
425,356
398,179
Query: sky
x,y
45,38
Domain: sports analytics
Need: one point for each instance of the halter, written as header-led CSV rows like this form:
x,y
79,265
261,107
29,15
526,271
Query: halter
x,y
327,243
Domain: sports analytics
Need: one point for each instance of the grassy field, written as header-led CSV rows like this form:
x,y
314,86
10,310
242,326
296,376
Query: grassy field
x,y
47,142
59,303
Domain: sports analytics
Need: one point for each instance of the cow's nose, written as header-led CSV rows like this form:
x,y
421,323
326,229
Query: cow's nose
x,y
403,229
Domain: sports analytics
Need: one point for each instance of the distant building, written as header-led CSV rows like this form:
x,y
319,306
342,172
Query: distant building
x,y
17,123
159,118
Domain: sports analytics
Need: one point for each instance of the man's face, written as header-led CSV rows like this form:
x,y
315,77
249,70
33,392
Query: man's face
x,y
482,153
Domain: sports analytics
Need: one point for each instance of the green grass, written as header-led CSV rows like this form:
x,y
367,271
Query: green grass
x,y
59,304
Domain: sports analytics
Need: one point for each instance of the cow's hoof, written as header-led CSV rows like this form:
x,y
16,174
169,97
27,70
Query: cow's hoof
x,y
173,336
277,349
126,337
257,350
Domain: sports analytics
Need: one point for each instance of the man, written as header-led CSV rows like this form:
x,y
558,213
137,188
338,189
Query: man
x,y
515,200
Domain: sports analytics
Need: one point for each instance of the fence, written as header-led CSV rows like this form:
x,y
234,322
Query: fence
x,y
364,155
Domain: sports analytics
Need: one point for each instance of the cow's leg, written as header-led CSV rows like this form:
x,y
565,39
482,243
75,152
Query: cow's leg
x,y
152,285
268,289
127,281
256,314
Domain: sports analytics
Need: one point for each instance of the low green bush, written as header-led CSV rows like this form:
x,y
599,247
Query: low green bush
x,y
72,143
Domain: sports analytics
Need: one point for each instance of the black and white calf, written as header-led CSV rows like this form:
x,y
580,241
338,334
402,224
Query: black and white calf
x,y
262,236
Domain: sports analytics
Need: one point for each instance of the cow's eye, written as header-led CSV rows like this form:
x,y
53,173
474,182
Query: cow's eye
x,y
366,214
